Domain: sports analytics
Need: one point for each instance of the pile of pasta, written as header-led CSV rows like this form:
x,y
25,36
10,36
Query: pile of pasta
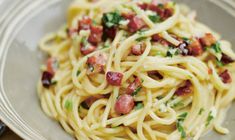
x,y
136,70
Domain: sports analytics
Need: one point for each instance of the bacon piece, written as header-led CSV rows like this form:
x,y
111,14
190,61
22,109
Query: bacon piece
x,y
225,76
96,63
156,8
135,24
207,40
137,49
128,16
133,86
168,12
143,6
184,90
210,71
226,59
96,34
114,78
195,48
156,37
109,33
52,65
87,49
46,79
84,23
124,104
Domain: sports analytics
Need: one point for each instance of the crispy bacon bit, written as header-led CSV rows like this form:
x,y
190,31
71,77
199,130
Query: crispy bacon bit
x,y
143,6
96,35
225,77
128,16
138,49
156,37
207,40
87,49
85,23
195,48
124,104
96,63
226,59
109,33
135,24
133,86
210,71
71,32
184,90
168,12
46,79
114,78
52,65
156,8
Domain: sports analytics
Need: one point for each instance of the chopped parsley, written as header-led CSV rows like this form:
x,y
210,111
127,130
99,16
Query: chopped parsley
x,y
178,104
106,46
141,39
160,97
136,91
111,19
179,123
68,105
78,73
141,32
155,18
53,82
216,47
209,118
219,63
182,116
84,41
181,129
139,106
200,111
172,52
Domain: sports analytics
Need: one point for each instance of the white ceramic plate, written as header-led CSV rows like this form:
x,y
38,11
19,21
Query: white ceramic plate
x,y
24,22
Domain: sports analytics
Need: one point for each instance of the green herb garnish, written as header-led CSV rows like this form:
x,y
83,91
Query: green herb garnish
x,y
155,18
180,128
172,52
139,106
200,111
54,82
78,73
182,116
216,47
219,63
141,39
136,91
179,123
209,118
68,105
112,19
178,104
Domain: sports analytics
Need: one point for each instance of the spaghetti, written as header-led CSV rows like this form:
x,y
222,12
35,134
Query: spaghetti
x,y
136,70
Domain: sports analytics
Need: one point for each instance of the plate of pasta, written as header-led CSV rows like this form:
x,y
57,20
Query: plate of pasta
x,y
118,70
